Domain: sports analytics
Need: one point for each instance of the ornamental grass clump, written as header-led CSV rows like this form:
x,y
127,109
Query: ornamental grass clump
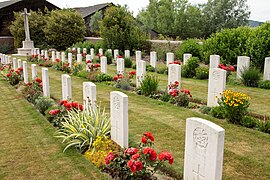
x,y
235,104
137,163
81,128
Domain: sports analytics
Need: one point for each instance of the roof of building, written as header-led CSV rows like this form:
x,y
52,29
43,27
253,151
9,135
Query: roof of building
x,y
8,3
86,11
5,4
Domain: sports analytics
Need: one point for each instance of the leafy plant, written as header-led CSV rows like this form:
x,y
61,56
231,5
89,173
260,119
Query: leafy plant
x,y
202,72
205,109
104,77
188,70
251,77
162,70
14,76
190,46
128,63
248,122
149,85
83,74
218,112
150,68
43,103
81,128
235,105
109,57
264,84
122,81
33,90
263,126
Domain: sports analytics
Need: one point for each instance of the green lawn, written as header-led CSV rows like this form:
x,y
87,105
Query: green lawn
x,y
28,149
247,152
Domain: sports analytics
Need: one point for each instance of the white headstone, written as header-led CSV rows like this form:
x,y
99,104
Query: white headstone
x,y
88,57
174,73
46,56
9,60
186,58
138,57
34,71
216,85
169,58
153,59
42,52
266,72
79,58
84,51
70,59
103,64
78,50
66,87
25,72
204,148
92,53
58,55
53,56
120,66
14,63
100,51
110,51
214,61
119,118
115,54
140,72
45,82
1,58
19,63
127,54
63,57
243,63
89,94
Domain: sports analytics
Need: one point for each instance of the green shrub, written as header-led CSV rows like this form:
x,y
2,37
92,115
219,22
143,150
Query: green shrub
x,y
104,77
188,70
182,100
150,68
263,126
149,85
218,112
228,43
4,48
83,74
69,24
248,122
109,57
43,103
265,84
128,63
205,109
33,91
81,128
123,83
190,46
251,77
202,72
162,70
86,44
98,45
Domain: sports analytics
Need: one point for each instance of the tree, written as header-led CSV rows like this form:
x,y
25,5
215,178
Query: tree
x,y
64,28
37,22
94,23
119,30
219,14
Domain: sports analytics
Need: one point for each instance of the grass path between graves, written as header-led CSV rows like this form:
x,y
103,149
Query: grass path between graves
x,y
247,151
28,149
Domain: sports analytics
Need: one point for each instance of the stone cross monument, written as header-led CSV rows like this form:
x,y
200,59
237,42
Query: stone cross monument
x,y
28,45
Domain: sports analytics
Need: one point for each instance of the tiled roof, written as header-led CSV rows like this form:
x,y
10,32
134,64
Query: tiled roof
x,y
86,11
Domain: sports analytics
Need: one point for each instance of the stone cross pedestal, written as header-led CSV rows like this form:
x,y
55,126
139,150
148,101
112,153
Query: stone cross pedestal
x,y
27,43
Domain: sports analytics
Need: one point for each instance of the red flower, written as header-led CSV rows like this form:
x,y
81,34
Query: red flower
x,y
149,135
120,56
144,140
131,151
88,61
232,68
63,102
74,104
73,51
132,72
40,85
96,65
54,111
8,75
45,59
18,72
110,157
151,152
176,83
115,78
12,70
38,80
136,156
166,156
20,69
120,76
57,60
173,92
135,165
81,107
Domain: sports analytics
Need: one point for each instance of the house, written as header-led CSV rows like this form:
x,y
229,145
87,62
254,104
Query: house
x,y
88,12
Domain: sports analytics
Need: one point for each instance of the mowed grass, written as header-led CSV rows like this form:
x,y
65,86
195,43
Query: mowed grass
x,y
28,149
246,154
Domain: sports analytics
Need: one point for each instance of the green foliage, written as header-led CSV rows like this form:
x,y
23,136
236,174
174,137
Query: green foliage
x,y
229,43
263,126
94,23
33,90
86,44
162,70
149,85
119,30
43,103
248,122
182,100
64,28
202,72
4,48
123,83
83,74
205,109
188,70
80,129
109,57
265,84
128,63
104,77
190,46
251,77
259,45
150,68
218,112
37,23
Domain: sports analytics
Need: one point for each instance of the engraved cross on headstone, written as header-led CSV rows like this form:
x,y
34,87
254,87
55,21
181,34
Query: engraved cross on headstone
x,y
26,25
198,174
